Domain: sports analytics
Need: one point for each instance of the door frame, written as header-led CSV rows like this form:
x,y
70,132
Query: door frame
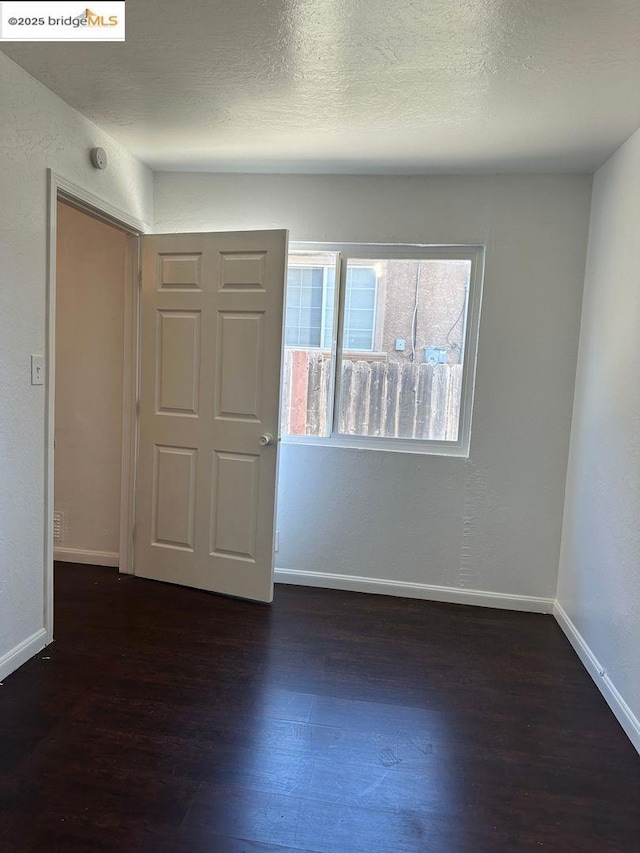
x,y
60,189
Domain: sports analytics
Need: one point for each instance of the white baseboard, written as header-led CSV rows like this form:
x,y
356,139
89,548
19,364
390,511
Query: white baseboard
x,y
21,653
622,711
91,558
425,591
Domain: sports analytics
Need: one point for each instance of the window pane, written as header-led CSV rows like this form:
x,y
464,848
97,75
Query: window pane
x,y
308,338
362,299
360,305
403,351
304,306
357,340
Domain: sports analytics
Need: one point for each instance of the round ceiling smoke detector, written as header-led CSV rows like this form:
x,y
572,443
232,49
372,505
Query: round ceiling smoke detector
x,y
98,158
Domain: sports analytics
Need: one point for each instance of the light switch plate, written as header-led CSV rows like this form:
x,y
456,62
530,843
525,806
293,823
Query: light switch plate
x,y
37,370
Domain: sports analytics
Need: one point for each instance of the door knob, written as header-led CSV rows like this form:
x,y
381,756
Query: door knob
x,y
266,439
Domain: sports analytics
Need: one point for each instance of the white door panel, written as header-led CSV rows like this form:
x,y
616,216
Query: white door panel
x,y
211,344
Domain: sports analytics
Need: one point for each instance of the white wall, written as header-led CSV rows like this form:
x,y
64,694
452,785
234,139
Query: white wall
x,y
37,130
90,296
599,580
492,522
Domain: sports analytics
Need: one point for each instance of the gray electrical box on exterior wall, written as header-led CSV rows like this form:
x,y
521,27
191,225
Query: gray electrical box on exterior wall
x,y
435,355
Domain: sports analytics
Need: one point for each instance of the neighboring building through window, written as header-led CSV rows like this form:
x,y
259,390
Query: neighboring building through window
x,y
310,306
360,308
307,291
400,376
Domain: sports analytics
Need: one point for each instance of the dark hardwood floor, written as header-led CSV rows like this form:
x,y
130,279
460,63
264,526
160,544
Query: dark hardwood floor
x,y
164,719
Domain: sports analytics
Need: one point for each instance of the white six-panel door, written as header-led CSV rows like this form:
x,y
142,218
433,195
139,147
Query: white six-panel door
x,y
211,343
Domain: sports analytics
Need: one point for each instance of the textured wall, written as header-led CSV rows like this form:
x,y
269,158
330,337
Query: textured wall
x,y
599,581
90,286
492,522
37,130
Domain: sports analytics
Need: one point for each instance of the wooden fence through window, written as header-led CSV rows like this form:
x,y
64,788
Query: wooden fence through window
x,y
378,398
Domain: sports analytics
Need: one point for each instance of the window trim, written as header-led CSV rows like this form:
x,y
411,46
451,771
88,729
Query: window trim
x,y
406,251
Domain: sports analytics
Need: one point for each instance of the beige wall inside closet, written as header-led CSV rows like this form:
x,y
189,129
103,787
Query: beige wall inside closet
x,y
91,267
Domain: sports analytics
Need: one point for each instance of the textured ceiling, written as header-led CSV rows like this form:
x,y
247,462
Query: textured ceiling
x,y
404,86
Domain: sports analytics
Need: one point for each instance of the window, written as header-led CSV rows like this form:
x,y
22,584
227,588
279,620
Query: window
x,y
360,308
310,298
309,291
396,370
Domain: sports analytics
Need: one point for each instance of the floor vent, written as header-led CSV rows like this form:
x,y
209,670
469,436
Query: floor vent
x,y
58,525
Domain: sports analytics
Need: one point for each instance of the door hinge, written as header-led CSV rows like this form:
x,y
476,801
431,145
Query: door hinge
x,y
140,278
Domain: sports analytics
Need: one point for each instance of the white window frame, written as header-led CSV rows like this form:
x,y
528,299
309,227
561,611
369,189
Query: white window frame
x,y
393,251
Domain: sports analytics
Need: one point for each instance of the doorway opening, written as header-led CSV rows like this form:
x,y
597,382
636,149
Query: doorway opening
x,y
92,278
93,251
